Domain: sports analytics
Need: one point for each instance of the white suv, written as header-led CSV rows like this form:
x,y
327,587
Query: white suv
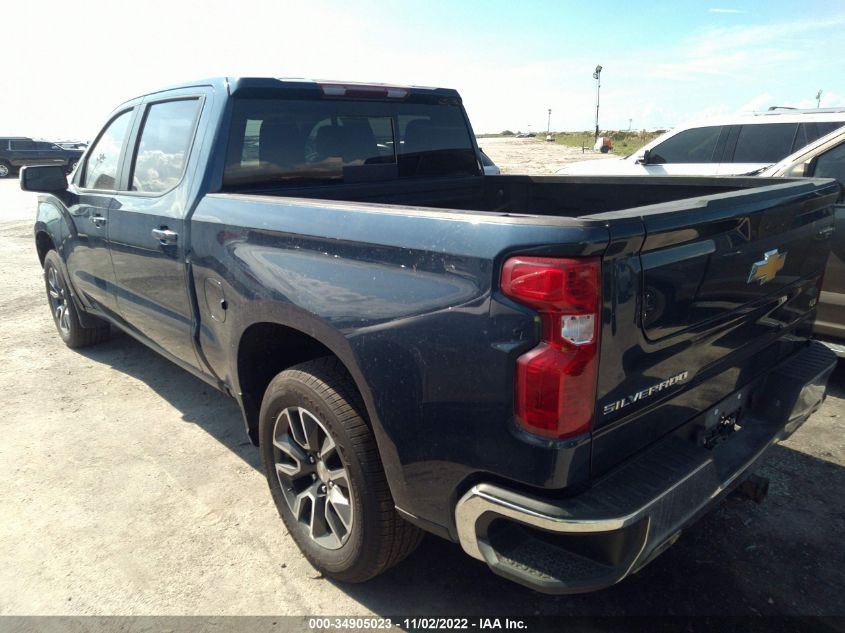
x,y
727,146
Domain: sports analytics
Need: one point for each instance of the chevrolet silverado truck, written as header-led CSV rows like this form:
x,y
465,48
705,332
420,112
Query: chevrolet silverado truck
x,y
558,373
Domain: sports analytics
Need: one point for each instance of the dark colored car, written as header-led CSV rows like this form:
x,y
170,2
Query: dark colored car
x,y
559,373
20,151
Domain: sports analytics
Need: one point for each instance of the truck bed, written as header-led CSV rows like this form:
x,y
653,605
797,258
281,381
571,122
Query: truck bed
x,y
559,196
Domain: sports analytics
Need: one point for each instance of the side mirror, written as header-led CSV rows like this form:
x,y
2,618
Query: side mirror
x,y
645,157
43,178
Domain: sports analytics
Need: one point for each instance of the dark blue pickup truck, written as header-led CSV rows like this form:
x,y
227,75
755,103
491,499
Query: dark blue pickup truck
x,y
559,373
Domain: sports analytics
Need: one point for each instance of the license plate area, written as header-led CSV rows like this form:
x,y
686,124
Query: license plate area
x,y
721,421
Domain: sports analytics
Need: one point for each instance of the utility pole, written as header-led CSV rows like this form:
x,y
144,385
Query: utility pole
x,y
549,124
629,124
597,77
819,99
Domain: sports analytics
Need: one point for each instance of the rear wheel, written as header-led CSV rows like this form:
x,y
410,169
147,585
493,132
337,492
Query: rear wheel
x,y
325,474
63,309
5,169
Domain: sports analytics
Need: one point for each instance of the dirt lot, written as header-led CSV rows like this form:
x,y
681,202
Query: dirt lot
x,y
533,155
128,487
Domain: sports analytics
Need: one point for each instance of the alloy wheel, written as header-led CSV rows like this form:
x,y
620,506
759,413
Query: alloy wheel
x,y
314,480
58,300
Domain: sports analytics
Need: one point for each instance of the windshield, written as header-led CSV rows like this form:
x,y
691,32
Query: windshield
x,y
289,142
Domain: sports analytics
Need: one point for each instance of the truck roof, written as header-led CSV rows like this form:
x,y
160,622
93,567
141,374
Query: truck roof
x,y
246,85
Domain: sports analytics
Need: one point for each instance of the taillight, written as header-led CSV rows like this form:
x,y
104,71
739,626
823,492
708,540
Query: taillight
x,y
555,390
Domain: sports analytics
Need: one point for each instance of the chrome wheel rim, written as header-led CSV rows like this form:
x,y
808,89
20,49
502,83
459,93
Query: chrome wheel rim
x,y
4,171
58,300
315,482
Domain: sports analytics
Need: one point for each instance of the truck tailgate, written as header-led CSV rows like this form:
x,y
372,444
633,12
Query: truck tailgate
x,y
699,297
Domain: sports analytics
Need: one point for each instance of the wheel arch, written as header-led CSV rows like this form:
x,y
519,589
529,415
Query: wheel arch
x,y
43,244
266,348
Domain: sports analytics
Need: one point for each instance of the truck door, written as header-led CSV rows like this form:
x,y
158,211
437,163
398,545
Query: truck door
x,y
147,229
86,250
50,154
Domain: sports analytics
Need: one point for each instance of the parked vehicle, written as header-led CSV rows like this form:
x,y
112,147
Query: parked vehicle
x,y
723,146
825,159
19,151
558,373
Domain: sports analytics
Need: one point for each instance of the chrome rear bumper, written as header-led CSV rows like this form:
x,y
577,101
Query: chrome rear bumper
x,y
595,539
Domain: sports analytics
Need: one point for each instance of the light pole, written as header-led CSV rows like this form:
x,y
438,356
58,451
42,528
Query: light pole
x,y
597,77
549,124
819,99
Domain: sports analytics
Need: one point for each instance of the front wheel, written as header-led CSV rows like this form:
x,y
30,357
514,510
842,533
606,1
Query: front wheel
x,y
5,169
63,309
325,475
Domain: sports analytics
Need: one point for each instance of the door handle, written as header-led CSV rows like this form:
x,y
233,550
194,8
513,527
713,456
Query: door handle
x,y
165,236
98,221
825,233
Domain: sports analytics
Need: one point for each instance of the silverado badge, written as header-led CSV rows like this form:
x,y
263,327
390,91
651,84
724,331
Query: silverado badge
x,y
645,393
766,269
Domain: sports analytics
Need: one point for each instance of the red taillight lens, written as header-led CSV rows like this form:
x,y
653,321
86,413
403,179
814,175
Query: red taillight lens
x,y
555,389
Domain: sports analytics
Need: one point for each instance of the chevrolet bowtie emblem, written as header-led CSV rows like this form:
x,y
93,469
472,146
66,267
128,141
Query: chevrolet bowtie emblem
x,y
766,269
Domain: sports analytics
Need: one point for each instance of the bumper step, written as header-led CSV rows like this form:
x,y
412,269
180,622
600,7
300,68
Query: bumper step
x,y
626,519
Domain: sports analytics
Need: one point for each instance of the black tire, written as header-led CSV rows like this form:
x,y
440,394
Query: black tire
x,y
5,169
604,149
378,537
63,308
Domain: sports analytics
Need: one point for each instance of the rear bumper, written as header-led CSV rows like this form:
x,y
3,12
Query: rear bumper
x,y
595,539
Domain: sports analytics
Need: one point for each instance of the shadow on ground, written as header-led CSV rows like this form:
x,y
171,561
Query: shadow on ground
x,y
200,404
784,556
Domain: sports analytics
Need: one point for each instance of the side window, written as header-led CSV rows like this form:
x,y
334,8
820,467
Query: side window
x,y
690,146
811,131
831,164
164,144
46,146
764,142
23,145
101,166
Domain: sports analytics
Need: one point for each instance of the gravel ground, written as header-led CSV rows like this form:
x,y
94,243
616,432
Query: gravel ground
x,y
128,487
533,155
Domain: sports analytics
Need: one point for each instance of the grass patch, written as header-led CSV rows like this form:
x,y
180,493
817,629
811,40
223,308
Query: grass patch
x,y
624,142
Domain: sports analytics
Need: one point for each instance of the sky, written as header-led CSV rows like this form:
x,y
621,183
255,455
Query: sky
x,y
663,62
